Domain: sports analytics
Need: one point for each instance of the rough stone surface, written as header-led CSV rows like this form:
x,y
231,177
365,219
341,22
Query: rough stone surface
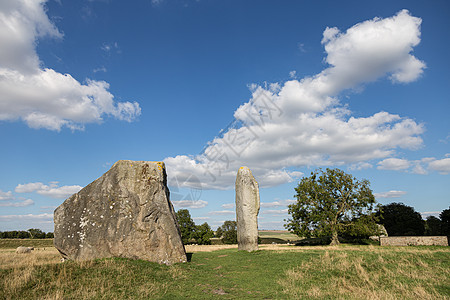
x,y
414,241
124,213
247,209
22,250
383,232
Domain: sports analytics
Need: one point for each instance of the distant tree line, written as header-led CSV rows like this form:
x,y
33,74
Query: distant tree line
x,y
31,233
402,220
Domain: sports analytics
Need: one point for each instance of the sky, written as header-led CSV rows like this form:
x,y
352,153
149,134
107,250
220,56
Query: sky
x,y
209,86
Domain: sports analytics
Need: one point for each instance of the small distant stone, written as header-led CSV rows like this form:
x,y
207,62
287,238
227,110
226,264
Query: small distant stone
x,y
23,250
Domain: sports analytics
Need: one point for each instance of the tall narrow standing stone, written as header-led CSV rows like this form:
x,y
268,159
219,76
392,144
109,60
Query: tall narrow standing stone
x,y
247,209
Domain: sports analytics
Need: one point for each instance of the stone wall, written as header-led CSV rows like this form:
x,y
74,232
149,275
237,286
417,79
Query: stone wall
x,y
414,241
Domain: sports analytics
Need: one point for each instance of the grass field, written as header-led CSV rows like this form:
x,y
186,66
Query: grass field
x,y
274,272
14,243
278,234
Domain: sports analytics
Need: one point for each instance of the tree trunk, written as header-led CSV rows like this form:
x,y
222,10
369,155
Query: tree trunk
x,y
334,239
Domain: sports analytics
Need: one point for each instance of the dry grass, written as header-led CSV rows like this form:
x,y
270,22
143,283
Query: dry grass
x,y
39,256
207,248
22,266
384,274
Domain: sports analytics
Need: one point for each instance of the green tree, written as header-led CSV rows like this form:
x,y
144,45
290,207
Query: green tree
x,y
445,219
362,227
186,224
328,202
219,232
36,233
433,226
229,229
401,220
203,234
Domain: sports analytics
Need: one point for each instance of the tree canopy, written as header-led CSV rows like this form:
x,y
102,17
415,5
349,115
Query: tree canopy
x,y
401,220
331,202
445,219
186,224
191,233
433,226
229,232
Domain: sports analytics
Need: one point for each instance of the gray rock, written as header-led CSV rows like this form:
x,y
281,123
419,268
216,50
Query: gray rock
x,y
23,250
247,209
382,232
124,213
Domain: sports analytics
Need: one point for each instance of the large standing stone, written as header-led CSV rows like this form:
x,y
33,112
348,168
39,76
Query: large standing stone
x,y
247,209
124,213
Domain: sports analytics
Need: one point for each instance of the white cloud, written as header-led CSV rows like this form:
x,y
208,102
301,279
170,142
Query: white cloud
x,y
111,47
23,222
430,213
6,195
222,212
275,211
201,218
7,199
277,203
301,47
22,203
156,2
396,164
302,123
390,194
100,69
52,190
421,166
419,169
27,216
228,205
44,98
272,225
440,165
190,203
360,166
49,207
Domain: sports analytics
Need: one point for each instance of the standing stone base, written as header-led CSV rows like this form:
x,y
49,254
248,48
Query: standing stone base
x,y
124,213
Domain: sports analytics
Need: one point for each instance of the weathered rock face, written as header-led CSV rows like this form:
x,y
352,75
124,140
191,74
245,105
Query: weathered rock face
x,y
124,213
247,209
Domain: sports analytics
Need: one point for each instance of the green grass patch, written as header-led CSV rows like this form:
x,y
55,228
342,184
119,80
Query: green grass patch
x,y
14,243
278,234
345,272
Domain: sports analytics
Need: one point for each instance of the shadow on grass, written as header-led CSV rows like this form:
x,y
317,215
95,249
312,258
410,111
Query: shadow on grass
x,y
189,256
323,241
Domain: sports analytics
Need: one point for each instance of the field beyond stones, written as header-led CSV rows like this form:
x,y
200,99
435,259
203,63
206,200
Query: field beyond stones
x,y
223,272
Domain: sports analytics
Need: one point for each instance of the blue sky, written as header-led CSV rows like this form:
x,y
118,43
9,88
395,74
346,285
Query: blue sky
x,y
209,86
